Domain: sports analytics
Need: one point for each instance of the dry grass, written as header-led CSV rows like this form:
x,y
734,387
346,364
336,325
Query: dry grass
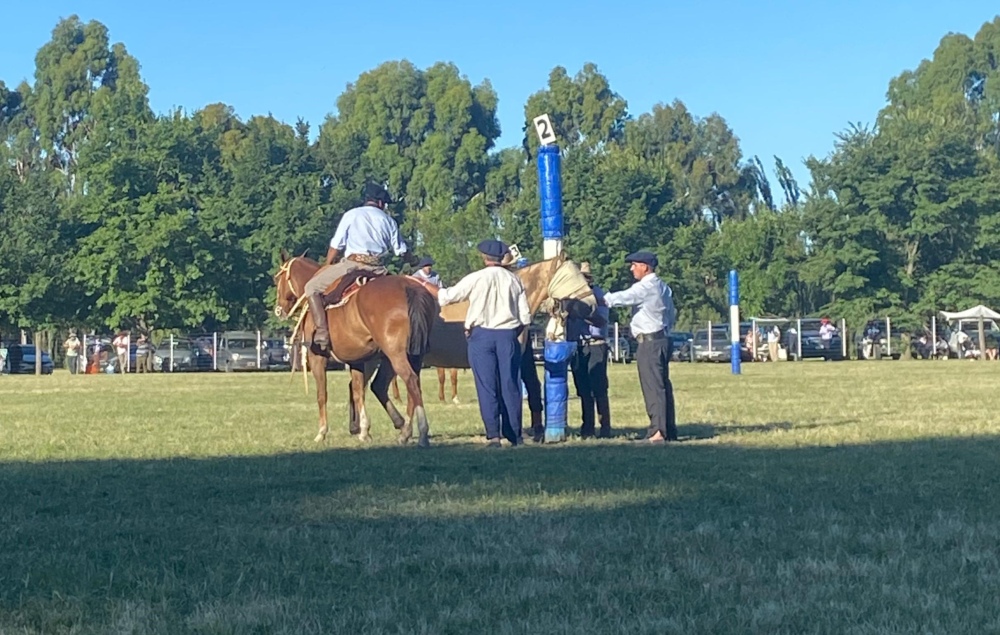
x,y
805,498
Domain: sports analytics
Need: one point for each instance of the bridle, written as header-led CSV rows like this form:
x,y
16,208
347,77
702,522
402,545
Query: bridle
x,y
286,271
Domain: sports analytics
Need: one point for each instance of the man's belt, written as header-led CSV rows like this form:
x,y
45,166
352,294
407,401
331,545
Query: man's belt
x,y
366,259
592,341
649,337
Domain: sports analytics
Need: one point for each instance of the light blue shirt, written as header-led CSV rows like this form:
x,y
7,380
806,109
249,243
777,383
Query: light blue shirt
x,y
367,230
577,327
654,305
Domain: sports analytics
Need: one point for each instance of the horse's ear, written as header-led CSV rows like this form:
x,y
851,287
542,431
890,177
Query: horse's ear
x,y
284,256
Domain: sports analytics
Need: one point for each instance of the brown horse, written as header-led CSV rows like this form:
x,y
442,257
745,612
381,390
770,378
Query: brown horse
x,y
390,317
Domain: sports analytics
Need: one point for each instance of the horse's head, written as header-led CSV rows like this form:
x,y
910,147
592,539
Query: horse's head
x,y
536,277
288,289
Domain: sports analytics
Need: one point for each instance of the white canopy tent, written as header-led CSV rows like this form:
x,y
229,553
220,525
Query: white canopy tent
x,y
979,313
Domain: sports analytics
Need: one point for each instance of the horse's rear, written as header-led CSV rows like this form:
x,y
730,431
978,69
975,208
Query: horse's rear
x,y
399,315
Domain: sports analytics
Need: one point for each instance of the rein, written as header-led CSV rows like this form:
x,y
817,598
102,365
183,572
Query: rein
x,y
300,303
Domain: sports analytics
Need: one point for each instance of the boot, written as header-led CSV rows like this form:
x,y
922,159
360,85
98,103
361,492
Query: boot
x,y
537,429
321,338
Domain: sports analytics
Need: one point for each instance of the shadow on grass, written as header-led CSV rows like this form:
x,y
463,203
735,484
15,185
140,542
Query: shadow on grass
x,y
457,539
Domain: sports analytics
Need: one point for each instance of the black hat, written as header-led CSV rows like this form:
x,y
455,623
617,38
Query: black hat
x,y
426,261
377,193
493,248
644,257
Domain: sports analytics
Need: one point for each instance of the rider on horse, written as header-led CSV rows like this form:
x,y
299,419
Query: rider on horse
x,y
364,238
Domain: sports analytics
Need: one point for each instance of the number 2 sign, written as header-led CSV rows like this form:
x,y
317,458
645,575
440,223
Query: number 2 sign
x,y
543,127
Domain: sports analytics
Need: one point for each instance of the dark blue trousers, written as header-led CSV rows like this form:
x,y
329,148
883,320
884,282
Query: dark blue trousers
x,y
495,357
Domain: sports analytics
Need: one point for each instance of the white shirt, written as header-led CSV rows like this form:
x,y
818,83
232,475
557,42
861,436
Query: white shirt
x,y
774,335
367,230
826,331
497,299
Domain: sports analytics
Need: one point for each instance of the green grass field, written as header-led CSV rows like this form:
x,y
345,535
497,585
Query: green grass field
x,y
804,498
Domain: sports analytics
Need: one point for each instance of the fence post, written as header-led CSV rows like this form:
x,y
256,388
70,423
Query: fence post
x,y
710,340
171,354
798,337
888,336
933,337
258,349
215,350
843,338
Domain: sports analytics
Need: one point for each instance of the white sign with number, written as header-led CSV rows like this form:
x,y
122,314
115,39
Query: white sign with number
x,y
514,252
543,127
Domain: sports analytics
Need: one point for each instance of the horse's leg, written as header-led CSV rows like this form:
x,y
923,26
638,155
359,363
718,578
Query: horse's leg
x,y
414,399
359,381
454,386
440,384
395,388
380,388
318,365
354,426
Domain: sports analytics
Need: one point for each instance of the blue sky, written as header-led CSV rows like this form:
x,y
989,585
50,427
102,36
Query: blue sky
x,y
785,75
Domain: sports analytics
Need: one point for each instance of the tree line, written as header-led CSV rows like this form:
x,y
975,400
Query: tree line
x,y
113,215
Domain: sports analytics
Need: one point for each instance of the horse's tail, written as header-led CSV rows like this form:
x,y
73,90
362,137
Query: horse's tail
x,y
422,310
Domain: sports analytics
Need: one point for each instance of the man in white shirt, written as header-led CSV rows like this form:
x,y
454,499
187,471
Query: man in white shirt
x,y
365,237
498,313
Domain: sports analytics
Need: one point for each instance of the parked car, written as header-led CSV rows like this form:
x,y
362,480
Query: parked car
x,y
20,360
681,351
187,355
721,346
278,355
238,351
812,344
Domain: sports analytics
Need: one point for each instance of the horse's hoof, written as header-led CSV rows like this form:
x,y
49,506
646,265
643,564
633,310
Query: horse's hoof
x,y
424,443
320,438
456,401
366,438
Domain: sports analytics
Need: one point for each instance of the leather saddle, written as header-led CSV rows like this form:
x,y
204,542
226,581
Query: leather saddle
x,y
345,288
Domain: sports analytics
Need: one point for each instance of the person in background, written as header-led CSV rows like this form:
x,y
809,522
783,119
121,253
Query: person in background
x,y
143,355
826,333
121,350
590,361
424,271
773,342
72,346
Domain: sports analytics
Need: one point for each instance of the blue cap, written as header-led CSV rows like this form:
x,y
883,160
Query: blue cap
x,y
644,257
426,261
493,248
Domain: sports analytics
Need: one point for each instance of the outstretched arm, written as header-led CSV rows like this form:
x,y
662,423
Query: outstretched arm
x,y
629,297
